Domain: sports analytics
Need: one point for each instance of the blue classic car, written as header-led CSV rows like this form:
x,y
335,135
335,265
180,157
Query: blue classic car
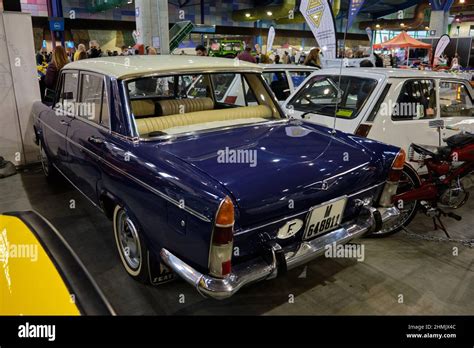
x,y
220,191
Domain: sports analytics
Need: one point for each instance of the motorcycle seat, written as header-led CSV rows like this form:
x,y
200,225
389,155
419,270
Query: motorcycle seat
x,y
461,139
440,152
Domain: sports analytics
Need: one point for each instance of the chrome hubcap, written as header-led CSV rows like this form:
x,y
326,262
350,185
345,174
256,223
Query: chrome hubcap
x,y
129,241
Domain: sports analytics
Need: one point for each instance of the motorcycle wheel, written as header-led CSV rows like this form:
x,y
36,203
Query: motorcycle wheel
x,y
409,180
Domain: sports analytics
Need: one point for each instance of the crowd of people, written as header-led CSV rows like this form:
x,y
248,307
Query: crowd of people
x,y
59,57
312,59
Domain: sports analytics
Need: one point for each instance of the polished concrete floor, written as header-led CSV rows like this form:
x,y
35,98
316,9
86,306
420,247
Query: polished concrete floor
x,y
402,274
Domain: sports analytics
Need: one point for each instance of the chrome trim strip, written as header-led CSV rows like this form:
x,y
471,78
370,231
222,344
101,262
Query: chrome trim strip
x,y
77,188
138,181
258,269
304,211
165,73
340,174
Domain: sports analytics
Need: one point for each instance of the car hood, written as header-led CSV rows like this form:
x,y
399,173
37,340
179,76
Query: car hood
x,y
279,168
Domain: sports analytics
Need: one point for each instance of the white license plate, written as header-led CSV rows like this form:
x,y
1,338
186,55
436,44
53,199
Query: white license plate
x,y
324,218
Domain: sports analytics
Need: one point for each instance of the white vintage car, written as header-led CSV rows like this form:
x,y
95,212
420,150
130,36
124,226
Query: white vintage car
x,y
395,106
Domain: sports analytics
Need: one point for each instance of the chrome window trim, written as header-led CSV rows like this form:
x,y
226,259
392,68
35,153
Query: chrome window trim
x,y
136,180
60,84
85,120
189,72
176,136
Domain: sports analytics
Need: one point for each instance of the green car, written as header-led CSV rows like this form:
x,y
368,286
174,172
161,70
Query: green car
x,y
227,49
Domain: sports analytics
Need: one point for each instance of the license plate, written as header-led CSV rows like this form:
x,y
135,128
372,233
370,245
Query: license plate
x,y
324,218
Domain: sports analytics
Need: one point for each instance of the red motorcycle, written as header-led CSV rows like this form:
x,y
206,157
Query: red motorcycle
x,y
441,186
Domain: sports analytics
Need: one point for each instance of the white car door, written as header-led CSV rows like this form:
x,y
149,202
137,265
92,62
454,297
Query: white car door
x,y
408,115
456,106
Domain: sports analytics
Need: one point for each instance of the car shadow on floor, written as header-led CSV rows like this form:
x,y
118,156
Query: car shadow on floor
x,y
89,233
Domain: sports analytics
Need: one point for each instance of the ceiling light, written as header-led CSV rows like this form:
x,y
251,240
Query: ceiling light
x,y
427,28
402,24
269,13
247,15
377,26
462,1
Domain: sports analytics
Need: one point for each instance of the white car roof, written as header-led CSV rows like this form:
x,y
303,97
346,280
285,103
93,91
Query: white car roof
x,y
390,73
133,66
287,67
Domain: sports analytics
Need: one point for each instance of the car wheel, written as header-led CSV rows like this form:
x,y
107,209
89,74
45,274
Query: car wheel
x,y
48,169
130,245
409,180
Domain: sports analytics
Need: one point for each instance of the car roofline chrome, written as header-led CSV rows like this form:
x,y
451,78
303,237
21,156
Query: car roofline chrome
x,y
193,71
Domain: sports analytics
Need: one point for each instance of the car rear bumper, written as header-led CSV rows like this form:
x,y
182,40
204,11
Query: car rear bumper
x,y
280,260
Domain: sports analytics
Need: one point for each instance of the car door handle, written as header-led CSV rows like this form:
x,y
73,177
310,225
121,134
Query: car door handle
x,y
95,140
64,122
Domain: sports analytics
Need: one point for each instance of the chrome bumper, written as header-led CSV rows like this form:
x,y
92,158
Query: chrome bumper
x,y
295,255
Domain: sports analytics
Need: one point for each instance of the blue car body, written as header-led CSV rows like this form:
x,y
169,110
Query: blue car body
x,y
173,187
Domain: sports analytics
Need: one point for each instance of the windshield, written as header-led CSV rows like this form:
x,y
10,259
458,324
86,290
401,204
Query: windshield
x,y
168,105
321,95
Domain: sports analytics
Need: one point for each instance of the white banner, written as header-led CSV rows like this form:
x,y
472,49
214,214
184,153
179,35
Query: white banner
x,y
270,39
443,42
318,15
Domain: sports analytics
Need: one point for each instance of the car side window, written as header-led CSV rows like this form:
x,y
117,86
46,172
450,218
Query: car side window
x,y
93,99
455,100
68,95
299,76
417,100
278,83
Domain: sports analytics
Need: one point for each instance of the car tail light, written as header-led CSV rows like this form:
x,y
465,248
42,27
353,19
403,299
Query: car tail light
x,y
363,130
397,167
220,255
230,99
394,175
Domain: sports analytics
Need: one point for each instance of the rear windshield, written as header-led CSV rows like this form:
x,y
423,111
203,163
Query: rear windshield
x,y
322,92
164,105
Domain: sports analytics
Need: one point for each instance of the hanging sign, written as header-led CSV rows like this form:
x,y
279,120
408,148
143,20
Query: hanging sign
x,y
318,14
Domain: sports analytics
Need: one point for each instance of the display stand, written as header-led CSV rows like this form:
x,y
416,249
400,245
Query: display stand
x,y
19,88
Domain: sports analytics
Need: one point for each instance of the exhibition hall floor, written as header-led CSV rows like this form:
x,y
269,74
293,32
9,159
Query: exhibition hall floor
x,y
402,274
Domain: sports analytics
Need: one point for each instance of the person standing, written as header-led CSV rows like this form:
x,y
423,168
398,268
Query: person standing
x,y
201,51
277,59
455,62
293,58
58,61
286,58
313,59
94,49
80,48
246,55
